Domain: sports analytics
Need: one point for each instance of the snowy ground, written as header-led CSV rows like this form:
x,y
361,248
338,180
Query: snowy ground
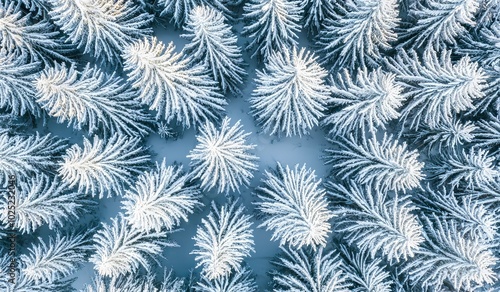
x,y
270,149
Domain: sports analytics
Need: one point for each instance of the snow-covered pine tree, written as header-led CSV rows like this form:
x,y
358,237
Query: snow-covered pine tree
x,y
436,88
160,198
56,259
475,216
38,40
449,255
16,84
368,101
104,166
91,100
467,170
375,223
309,270
294,207
446,135
41,200
488,134
25,156
438,23
213,44
222,157
316,12
358,33
290,95
120,249
101,28
37,7
238,281
384,165
125,283
178,10
223,240
271,25
166,82
365,274
23,284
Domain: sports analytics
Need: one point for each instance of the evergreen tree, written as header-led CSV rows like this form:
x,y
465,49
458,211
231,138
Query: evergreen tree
x,y
271,25
16,84
213,44
294,207
160,198
25,156
368,101
237,281
358,33
385,165
100,27
223,240
291,94
170,86
91,99
120,250
222,157
104,166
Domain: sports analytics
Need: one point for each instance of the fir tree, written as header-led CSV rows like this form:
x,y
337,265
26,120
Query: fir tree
x,y
294,207
385,165
91,99
309,270
16,84
120,250
316,12
358,33
103,166
28,155
223,240
437,88
100,27
291,94
160,198
44,201
178,10
39,40
170,86
375,223
213,44
368,101
222,157
237,281
271,25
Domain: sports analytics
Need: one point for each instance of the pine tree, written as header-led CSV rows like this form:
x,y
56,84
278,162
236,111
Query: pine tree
x,y
100,27
16,84
294,207
213,44
59,258
465,169
223,240
170,86
44,201
291,94
309,270
22,36
124,284
237,281
437,88
91,99
358,33
222,157
368,101
103,166
488,134
437,23
316,12
375,223
120,250
448,255
160,198
25,156
178,10
271,25
365,274
385,165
